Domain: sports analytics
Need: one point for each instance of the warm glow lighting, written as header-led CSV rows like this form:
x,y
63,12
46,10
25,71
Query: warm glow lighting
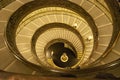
x,y
64,57
89,38
75,25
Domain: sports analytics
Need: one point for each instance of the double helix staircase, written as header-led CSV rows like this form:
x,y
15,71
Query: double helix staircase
x,y
54,37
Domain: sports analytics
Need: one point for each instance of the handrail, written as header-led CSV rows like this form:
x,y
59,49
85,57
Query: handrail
x,y
116,29
18,16
54,25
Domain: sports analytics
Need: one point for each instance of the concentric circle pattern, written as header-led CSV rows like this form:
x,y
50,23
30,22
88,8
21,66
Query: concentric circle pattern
x,y
37,19
59,36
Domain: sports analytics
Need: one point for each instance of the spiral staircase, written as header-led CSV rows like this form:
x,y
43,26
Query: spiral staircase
x,y
77,38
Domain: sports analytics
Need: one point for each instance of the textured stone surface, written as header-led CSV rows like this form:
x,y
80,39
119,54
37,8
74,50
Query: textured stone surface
x,y
4,3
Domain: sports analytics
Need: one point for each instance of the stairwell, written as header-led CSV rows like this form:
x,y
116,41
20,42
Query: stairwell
x,y
91,27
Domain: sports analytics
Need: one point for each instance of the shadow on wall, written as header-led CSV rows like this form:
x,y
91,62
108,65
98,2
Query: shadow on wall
x,y
106,76
14,76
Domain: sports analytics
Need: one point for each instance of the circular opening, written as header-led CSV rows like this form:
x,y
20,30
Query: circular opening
x,y
17,24
62,54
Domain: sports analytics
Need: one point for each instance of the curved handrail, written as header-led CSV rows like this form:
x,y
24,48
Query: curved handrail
x,y
26,9
116,29
54,25
14,20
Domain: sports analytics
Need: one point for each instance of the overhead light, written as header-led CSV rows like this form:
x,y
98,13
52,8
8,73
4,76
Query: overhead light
x,y
52,52
64,57
89,38
75,25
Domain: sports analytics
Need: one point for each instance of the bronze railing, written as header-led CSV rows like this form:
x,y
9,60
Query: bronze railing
x,y
18,16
